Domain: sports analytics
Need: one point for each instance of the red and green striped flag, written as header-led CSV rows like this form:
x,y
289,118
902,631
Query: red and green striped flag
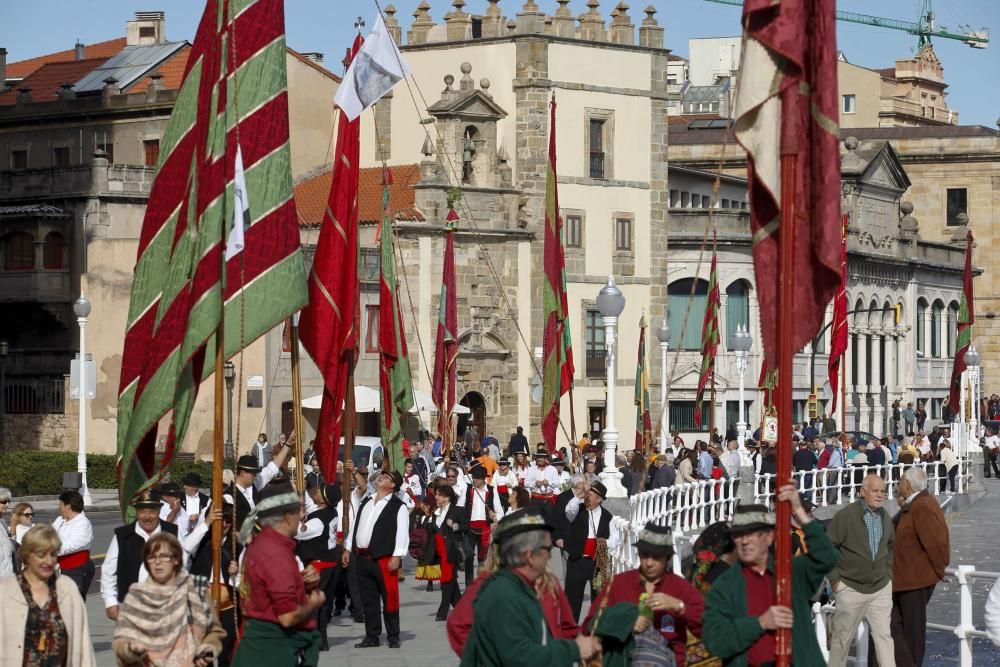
x,y
557,349
446,345
966,318
395,382
709,334
233,96
643,421
838,345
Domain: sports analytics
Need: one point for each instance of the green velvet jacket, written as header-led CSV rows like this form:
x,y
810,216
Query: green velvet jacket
x,y
728,632
509,628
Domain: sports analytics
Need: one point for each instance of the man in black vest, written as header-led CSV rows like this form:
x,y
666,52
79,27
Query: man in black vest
x,y
251,478
585,528
483,510
317,546
194,502
379,539
123,564
198,545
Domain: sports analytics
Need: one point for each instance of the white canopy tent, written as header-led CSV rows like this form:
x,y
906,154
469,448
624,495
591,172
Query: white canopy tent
x,y
366,399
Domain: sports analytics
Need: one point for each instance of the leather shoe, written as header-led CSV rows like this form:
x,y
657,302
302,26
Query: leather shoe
x,y
367,643
394,642
324,644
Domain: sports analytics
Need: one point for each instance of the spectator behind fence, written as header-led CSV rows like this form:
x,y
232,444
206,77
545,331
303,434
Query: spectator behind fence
x,y
862,579
42,613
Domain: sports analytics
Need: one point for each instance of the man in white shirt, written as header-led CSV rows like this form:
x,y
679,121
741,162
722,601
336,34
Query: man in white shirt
x,y
251,478
76,536
194,503
580,543
482,502
123,565
542,481
505,481
376,544
171,510
563,474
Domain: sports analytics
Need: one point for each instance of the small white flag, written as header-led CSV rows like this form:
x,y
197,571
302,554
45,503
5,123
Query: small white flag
x,y
376,68
241,209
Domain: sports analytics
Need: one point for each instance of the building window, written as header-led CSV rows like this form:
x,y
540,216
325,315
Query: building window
x,y
599,142
19,159
685,199
60,156
596,148
371,328
737,307
623,234
682,415
936,311
854,359
921,332
593,330
675,198
370,265
958,202
151,150
687,334
733,415
52,252
18,252
952,328
573,231
849,103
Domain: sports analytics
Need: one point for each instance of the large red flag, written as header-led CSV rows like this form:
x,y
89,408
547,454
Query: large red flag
x,y
966,318
328,327
787,105
446,345
838,344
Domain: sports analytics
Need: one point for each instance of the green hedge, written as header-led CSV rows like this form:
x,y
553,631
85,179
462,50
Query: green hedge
x,y
32,473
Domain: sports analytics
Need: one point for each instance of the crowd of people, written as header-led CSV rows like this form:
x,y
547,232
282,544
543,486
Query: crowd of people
x,y
488,520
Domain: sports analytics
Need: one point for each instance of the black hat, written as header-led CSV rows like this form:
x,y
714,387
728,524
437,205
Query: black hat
x,y
503,462
148,499
558,462
656,540
397,479
749,519
598,487
170,489
280,498
520,522
192,479
331,494
248,462
542,454
478,472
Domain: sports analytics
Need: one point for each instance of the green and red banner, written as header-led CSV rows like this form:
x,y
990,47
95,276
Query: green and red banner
x,y
234,96
966,318
709,334
446,343
395,381
557,349
643,421
838,343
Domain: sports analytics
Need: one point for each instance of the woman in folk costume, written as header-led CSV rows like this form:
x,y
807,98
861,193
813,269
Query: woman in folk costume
x,y
168,620
447,525
427,569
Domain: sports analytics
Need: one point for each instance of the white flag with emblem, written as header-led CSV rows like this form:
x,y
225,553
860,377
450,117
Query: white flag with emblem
x,y
241,209
376,68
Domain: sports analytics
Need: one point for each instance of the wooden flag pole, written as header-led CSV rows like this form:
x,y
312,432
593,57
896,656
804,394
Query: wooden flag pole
x,y
300,472
218,454
348,452
786,299
572,426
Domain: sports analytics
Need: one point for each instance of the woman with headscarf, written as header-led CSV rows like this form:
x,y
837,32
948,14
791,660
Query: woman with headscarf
x,y
169,619
42,611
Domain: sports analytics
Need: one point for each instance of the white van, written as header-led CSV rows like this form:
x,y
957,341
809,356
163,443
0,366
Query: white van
x,y
367,452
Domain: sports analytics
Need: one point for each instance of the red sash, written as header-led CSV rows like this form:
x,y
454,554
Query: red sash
x,y
320,565
502,489
391,581
590,547
74,560
482,530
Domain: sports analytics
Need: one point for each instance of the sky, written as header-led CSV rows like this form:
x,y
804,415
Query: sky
x,y
327,26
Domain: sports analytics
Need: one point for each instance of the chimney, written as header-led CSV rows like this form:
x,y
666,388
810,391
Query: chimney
x,y
154,87
80,51
3,69
66,91
110,89
147,28
314,56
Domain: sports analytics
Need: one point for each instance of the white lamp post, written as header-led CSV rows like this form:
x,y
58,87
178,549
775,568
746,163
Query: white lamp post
x,y
972,360
663,334
81,307
740,343
611,303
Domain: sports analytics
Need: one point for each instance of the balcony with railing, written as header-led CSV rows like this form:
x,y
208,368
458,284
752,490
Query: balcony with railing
x,y
34,395
597,364
597,164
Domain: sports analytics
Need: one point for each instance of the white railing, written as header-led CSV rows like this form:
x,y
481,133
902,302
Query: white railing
x,y
966,630
840,486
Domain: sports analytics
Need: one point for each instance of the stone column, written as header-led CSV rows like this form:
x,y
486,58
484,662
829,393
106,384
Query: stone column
x,y
493,20
650,32
875,381
422,23
862,388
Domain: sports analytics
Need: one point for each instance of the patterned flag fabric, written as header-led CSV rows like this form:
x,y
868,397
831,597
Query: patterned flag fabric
x,y
395,382
767,383
234,92
838,345
446,344
557,353
709,336
643,422
328,327
787,105
966,318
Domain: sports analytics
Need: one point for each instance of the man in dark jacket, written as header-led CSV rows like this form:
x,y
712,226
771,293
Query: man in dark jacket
x,y
518,443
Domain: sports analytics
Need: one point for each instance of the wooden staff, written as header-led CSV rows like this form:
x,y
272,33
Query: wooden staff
x,y
218,454
345,481
300,473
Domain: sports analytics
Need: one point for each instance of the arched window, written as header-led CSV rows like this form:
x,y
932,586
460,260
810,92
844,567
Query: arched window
x,y
737,307
686,336
952,327
18,251
937,310
52,254
919,325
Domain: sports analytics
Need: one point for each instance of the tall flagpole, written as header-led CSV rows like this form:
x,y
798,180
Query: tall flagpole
x,y
348,452
300,473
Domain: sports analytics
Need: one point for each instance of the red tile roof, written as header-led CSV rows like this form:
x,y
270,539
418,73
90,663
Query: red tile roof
x,y
103,50
172,71
887,72
311,196
47,79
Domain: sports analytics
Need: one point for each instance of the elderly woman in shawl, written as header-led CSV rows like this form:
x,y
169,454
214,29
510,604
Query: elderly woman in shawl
x,y
169,620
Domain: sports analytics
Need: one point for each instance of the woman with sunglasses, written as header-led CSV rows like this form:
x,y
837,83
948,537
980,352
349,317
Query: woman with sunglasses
x,y
21,521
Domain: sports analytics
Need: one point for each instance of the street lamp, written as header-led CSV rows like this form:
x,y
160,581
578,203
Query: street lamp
x,y
611,303
229,372
4,349
740,343
81,307
663,335
972,360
